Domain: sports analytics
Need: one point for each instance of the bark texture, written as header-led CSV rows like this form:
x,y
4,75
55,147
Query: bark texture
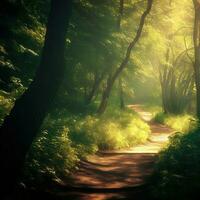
x,y
21,126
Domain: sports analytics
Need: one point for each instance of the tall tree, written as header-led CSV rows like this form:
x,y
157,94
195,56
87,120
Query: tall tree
x,y
121,93
21,126
196,40
115,75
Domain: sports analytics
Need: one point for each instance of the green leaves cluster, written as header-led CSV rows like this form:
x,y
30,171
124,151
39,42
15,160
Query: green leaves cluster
x,y
177,172
65,139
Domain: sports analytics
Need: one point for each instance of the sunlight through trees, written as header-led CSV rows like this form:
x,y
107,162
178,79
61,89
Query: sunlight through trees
x,y
78,76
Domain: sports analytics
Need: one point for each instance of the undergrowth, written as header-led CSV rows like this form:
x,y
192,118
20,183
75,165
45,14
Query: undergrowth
x,y
177,172
180,123
65,139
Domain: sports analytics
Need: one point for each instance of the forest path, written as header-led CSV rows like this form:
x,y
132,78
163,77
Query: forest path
x,y
119,174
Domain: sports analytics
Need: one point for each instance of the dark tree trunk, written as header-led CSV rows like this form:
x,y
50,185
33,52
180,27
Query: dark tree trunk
x,y
125,61
21,126
196,39
121,94
175,88
97,82
121,12
163,82
92,92
105,96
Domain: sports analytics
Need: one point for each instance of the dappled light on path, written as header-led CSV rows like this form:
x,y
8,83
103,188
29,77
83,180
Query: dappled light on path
x,y
120,169
158,138
113,170
146,116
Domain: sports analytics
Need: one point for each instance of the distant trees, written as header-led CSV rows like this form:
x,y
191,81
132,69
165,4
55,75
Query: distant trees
x,y
171,55
117,72
92,33
21,126
176,83
196,40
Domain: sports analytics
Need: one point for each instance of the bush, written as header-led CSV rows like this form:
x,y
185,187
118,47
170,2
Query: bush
x,y
116,131
5,106
83,136
181,123
51,157
7,100
177,173
65,139
160,118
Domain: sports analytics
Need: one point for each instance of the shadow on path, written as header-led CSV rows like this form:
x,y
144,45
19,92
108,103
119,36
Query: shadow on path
x,y
116,174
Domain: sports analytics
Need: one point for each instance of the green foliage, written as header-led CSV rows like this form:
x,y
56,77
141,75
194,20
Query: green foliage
x,y
65,139
7,99
95,47
83,135
177,171
5,105
116,131
181,123
51,157
21,41
160,117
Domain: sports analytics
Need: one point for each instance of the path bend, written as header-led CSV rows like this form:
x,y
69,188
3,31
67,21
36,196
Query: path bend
x,y
119,174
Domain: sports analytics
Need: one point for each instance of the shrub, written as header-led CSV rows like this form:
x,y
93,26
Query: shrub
x,y
160,117
65,139
51,157
83,136
181,123
177,173
136,132
116,131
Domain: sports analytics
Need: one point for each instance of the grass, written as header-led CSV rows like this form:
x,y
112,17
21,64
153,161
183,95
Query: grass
x,y
66,138
181,123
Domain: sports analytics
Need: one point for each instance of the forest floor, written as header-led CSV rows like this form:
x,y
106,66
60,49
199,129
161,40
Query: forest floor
x,y
121,174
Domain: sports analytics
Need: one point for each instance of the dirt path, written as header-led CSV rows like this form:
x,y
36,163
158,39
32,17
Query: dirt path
x,y
108,175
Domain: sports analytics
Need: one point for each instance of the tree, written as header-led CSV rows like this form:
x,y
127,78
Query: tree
x,y
196,40
121,93
21,126
115,75
176,83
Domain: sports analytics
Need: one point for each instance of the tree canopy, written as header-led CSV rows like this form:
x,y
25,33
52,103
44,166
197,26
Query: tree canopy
x,y
72,73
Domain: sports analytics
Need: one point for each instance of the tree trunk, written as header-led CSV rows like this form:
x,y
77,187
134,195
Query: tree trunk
x,y
125,61
121,11
105,96
95,87
92,92
163,77
196,39
21,126
121,94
